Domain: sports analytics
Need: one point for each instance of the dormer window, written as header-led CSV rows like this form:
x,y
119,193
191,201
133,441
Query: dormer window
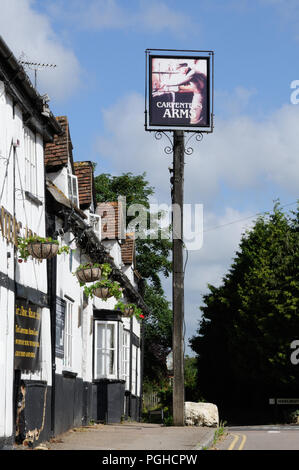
x,y
95,223
73,189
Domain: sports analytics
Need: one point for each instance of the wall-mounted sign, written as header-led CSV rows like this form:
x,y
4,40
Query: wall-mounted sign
x,y
10,227
27,336
179,92
284,401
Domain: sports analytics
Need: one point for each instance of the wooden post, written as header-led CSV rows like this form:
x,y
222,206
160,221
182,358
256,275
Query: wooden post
x,y
178,280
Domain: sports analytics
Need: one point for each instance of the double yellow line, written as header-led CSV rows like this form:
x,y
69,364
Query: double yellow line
x,y
235,440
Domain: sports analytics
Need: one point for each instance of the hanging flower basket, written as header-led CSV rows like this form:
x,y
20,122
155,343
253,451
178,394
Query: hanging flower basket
x,y
92,272
39,247
42,250
128,310
102,293
104,289
88,273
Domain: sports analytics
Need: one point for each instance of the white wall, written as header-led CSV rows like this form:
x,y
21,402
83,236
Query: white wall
x,y
6,267
6,361
113,247
69,288
31,274
59,178
31,216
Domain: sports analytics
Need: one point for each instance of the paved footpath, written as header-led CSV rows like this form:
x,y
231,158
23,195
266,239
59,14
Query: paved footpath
x,y
133,436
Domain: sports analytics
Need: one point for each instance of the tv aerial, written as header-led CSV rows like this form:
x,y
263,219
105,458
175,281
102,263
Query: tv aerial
x,y
35,66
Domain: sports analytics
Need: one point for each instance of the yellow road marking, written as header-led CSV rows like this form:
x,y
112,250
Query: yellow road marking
x,y
235,440
236,437
243,442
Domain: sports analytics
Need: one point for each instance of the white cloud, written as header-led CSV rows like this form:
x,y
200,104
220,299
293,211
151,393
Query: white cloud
x,y
242,153
210,263
234,103
27,31
149,16
220,243
287,13
127,147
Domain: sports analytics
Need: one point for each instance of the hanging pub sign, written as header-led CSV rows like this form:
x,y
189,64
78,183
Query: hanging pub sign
x,y
27,336
179,91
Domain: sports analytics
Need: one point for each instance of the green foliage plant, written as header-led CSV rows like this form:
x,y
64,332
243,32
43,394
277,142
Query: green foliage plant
x,y
137,312
105,268
23,243
113,287
250,320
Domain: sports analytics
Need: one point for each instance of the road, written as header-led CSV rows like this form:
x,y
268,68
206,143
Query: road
x,y
283,437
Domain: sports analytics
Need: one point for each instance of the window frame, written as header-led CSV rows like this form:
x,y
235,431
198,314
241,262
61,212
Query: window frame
x,y
126,357
134,380
73,195
105,359
31,164
95,221
68,335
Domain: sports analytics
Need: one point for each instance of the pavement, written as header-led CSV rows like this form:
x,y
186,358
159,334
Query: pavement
x,y
132,436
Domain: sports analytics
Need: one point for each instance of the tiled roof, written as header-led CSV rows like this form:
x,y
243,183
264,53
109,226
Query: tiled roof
x,y
128,249
58,151
112,220
84,173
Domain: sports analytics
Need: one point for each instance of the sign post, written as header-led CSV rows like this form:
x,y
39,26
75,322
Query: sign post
x,y
178,99
178,279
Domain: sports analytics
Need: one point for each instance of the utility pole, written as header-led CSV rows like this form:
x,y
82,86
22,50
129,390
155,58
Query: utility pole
x,y
178,280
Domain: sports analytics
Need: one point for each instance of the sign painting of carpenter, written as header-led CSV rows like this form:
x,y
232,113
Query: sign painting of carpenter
x,y
179,91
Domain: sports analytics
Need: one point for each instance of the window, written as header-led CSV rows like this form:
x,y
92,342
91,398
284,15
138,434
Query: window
x,y
105,350
30,161
126,358
134,369
95,222
68,335
73,189
71,260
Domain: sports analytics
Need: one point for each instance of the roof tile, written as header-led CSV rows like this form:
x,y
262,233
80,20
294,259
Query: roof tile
x,y
84,173
58,151
128,249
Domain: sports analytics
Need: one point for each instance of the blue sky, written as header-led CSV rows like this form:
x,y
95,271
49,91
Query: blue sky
x,y
251,158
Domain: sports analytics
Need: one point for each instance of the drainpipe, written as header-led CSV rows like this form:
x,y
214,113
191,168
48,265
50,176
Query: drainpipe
x,y
141,369
142,293
131,357
51,273
17,373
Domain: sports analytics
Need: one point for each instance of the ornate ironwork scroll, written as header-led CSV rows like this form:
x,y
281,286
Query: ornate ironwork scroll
x,y
188,150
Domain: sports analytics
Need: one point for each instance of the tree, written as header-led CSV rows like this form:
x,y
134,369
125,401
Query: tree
x,y
157,335
152,255
134,187
152,260
248,323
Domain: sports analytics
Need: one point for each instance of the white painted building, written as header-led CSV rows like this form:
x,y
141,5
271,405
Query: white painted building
x,y
25,125
100,360
81,359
